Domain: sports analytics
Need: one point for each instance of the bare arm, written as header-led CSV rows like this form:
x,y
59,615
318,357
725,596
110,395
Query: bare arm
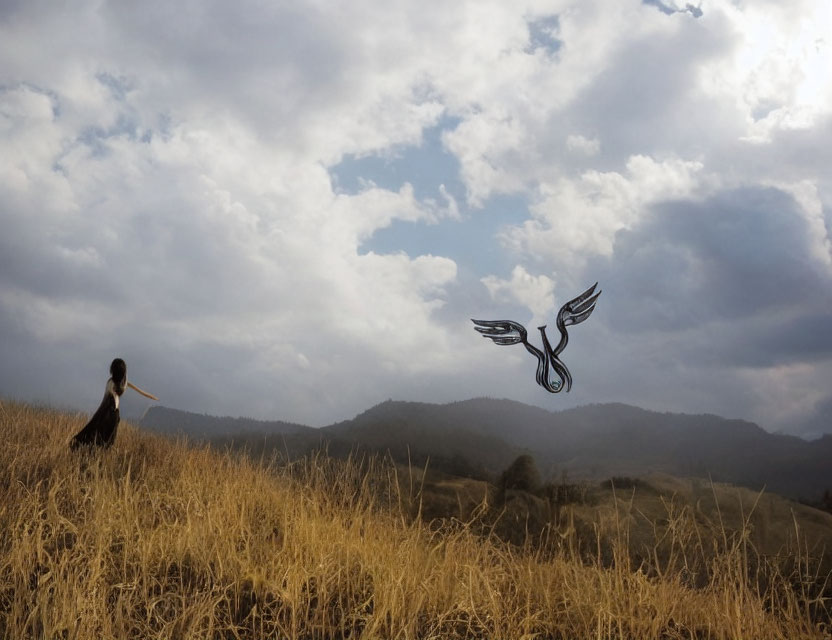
x,y
144,393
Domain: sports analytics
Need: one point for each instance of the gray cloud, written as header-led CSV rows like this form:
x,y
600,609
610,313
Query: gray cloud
x,y
715,302
648,99
743,253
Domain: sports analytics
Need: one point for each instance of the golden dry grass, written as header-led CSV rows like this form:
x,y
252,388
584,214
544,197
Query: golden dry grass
x,y
154,539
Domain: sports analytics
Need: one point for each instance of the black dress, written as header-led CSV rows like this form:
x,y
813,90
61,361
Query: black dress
x,y
100,431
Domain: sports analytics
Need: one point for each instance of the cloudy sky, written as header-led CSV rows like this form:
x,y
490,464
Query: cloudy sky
x,y
292,210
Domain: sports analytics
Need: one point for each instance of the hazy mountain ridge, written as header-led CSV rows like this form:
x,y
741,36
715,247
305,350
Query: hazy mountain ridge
x,y
592,441
418,431
197,425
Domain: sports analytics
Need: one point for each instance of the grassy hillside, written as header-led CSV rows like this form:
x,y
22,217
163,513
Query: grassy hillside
x,y
153,539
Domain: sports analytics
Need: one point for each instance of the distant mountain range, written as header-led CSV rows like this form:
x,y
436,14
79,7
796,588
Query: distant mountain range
x,y
204,427
481,437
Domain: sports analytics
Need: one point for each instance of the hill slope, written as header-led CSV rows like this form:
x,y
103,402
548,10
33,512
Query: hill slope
x,y
202,426
153,539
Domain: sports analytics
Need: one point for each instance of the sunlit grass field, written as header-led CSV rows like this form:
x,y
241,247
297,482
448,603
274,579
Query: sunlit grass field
x,y
155,539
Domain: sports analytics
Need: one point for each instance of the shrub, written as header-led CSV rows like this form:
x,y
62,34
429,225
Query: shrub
x,y
521,475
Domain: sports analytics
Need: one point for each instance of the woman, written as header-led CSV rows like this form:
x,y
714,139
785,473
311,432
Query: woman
x,y
101,429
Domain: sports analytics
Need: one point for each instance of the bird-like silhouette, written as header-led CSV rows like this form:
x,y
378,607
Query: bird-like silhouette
x,y
505,332
100,431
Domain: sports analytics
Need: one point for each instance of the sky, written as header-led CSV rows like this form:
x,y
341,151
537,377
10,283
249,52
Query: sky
x,y
293,210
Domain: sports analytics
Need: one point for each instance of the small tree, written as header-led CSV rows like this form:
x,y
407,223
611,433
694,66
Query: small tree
x,y
521,475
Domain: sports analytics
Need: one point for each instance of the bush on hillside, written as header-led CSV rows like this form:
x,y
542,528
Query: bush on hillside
x,y
521,475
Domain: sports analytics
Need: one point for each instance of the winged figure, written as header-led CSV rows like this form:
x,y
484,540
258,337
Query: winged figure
x,y
101,429
505,332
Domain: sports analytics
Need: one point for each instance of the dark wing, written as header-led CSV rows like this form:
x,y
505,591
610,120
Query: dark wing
x,y
101,428
502,332
577,310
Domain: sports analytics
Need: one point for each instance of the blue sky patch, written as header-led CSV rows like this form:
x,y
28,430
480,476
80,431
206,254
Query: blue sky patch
x,y
470,241
542,34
